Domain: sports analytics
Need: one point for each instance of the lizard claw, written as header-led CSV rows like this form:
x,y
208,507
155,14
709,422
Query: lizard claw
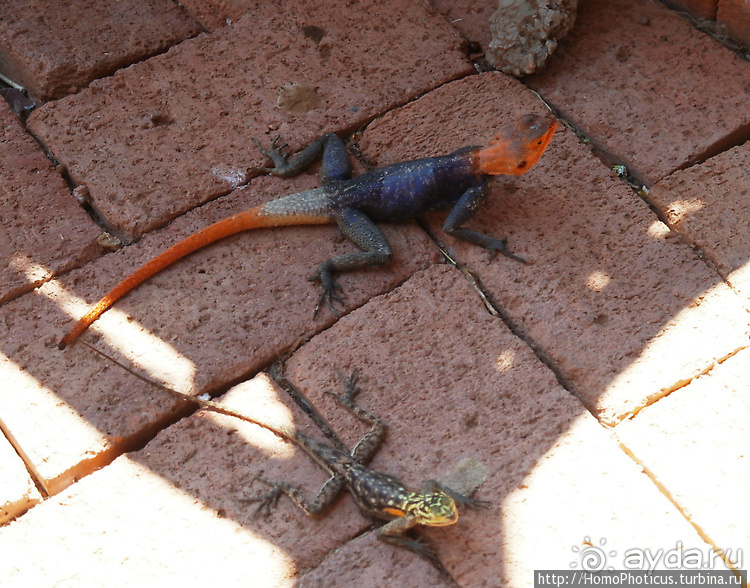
x,y
350,383
422,549
496,246
275,154
268,500
350,387
330,293
272,151
462,500
466,502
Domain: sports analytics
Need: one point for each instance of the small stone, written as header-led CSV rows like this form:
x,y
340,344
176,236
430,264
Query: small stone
x,y
525,33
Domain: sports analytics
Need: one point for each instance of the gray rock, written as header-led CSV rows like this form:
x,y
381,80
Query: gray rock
x,y
525,33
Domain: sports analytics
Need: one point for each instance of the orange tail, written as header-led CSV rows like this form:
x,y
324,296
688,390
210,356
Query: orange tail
x,y
254,218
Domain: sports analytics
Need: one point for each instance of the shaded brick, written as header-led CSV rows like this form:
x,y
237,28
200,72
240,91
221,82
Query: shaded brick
x,y
705,9
694,443
450,379
652,94
172,132
210,320
190,481
470,17
620,306
735,16
71,412
54,48
707,203
366,561
470,390
214,14
217,460
45,231
541,458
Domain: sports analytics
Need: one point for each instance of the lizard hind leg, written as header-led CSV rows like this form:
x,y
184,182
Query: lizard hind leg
x,y
364,233
369,444
330,490
462,500
330,148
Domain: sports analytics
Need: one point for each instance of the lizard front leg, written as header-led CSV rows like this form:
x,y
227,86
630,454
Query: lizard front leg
x,y
376,250
433,487
462,211
394,531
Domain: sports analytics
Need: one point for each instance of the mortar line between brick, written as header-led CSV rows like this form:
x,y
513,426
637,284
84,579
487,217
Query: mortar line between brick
x,y
497,311
86,467
713,29
30,467
668,495
712,263
653,399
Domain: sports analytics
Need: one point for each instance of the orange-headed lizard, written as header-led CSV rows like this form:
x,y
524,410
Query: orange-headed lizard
x,y
391,193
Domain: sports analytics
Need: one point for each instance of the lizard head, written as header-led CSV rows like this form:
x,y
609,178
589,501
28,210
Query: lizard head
x,y
436,509
517,147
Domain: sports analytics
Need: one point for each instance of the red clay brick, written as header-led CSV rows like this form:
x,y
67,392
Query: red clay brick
x,y
705,9
142,514
218,459
220,314
214,14
45,231
650,91
454,384
128,523
621,307
470,17
71,412
172,132
54,48
707,203
366,561
735,15
537,456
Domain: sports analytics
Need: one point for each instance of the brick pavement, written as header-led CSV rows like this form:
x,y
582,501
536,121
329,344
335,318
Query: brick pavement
x,y
594,395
